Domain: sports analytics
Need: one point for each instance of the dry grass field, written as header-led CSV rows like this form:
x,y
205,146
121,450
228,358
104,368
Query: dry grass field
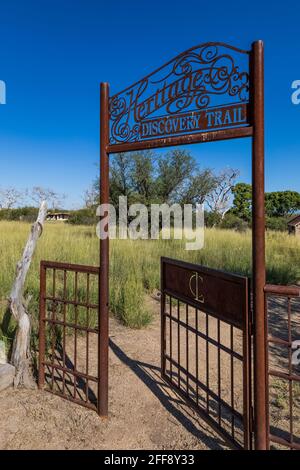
x,y
135,265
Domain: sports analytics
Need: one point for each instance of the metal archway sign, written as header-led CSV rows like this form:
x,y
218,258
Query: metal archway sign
x,y
210,92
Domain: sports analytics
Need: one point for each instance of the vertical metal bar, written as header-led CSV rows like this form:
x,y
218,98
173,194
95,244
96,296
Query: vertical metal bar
x,y
219,372
103,320
197,359
178,341
75,334
53,328
247,372
258,243
290,373
162,319
87,336
232,381
207,366
171,339
267,375
42,326
64,330
187,348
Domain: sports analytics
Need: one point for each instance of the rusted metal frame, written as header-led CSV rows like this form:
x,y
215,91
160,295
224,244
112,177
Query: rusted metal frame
x,y
197,358
80,268
232,378
87,337
245,358
275,340
53,321
258,244
73,372
181,55
290,374
291,291
246,362
42,326
170,336
187,347
203,387
197,138
64,328
206,417
284,442
71,302
178,339
53,326
267,374
247,392
103,320
75,333
206,337
162,322
71,325
194,304
235,278
219,371
77,401
283,375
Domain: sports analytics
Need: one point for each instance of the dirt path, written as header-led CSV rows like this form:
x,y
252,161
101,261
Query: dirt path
x,y
144,412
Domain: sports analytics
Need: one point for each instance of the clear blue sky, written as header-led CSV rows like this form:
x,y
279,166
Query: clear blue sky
x,y
54,54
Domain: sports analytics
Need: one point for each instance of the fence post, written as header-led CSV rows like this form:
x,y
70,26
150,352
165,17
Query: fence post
x,y
104,257
258,244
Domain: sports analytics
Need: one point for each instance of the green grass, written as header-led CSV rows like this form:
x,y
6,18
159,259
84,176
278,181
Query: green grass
x,y
134,265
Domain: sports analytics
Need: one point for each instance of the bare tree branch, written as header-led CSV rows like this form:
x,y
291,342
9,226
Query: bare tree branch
x,y
218,200
9,197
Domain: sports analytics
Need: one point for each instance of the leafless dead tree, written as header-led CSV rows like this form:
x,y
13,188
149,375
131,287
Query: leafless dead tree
x,y
9,197
40,193
218,199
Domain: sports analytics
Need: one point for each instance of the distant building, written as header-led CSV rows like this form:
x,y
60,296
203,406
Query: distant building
x,y
62,216
294,226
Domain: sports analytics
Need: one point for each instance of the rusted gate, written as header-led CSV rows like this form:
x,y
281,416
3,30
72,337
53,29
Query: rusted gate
x,y
283,366
211,92
69,341
206,345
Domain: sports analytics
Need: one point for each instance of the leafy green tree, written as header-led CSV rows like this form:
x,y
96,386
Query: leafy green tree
x,y
146,178
174,170
142,177
282,203
198,187
242,201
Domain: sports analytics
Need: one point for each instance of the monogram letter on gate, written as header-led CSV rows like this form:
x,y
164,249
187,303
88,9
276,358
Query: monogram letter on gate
x,y
194,287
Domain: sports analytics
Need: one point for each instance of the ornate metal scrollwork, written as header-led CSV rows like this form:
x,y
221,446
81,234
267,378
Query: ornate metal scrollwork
x,y
165,102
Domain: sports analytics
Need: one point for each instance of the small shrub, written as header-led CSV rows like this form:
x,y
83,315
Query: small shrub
x,y
234,222
83,217
276,223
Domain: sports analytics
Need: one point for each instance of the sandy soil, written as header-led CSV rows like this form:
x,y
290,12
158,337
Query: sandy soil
x,y
144,412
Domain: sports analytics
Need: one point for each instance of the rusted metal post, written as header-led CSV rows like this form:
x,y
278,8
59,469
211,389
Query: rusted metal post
x,y
42,326
104,257
258,246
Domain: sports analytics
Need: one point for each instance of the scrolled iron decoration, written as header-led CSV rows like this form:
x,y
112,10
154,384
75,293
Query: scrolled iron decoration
x,y
194,81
